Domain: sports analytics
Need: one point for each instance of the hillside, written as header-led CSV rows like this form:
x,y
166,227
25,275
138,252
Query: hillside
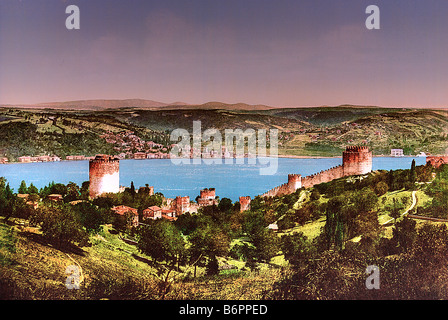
x,y
32,268
414,131
322,131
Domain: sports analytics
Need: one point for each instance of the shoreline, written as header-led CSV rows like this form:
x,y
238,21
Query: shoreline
x,y
278,156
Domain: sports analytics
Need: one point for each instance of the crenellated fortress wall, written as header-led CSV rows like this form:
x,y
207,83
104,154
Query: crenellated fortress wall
x,y
356,160
323,176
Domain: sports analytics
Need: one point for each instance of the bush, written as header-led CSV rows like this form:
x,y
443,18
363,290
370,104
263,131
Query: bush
x,y
60,226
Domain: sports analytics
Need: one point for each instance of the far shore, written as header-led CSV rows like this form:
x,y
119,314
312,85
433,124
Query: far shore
x,y
329,157
278,156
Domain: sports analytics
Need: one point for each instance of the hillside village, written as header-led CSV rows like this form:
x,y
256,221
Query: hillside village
x,y
136,134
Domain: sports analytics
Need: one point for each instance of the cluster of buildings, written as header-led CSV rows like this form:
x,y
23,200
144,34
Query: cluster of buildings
x,y
104,178
130,146
26,159
171,208
211,153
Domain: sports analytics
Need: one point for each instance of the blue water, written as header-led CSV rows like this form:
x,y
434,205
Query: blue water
x,y
230,180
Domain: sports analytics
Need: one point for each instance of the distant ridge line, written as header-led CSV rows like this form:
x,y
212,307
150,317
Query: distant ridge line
x,y
103,104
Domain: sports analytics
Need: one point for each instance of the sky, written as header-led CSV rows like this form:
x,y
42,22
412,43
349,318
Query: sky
x,y
278,53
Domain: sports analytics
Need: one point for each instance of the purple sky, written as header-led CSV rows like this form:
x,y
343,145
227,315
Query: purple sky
x,y
279,53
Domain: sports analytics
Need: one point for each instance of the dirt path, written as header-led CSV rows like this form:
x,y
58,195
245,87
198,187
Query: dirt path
x,y
414,202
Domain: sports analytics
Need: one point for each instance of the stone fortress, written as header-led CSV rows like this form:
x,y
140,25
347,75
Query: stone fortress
x,y
104,177
356,160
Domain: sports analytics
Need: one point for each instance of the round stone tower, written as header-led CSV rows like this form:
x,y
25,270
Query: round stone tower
x,y
104,175
356,160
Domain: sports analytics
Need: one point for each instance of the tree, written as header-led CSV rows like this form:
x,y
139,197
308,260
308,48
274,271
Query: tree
x,y
413,173
186,223
73,192
266,243
315,195
23,189
57,188
432,242
60,226
395,209
207,242
334,231
295,247
217,216
404,234
162,241
265,240
85,190
90,216
122,222
225,205
32,189
391,180
381,188
253,222
7,199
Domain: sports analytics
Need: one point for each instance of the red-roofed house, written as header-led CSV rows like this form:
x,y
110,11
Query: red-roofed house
x,y
122,210
55,197
169,214
153,212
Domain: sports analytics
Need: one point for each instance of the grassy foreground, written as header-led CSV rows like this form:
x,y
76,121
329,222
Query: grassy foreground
x,y
30,268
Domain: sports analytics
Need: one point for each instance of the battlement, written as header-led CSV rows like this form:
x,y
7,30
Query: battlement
x,y
208,193
294,183
207,197
104,158
294,177
323,176
357,149
277,191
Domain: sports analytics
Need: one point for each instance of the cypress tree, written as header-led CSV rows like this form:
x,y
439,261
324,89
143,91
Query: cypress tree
x,y
413,173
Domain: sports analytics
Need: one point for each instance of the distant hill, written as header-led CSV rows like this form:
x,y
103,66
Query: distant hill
x,y
99,104
78,127
102,104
